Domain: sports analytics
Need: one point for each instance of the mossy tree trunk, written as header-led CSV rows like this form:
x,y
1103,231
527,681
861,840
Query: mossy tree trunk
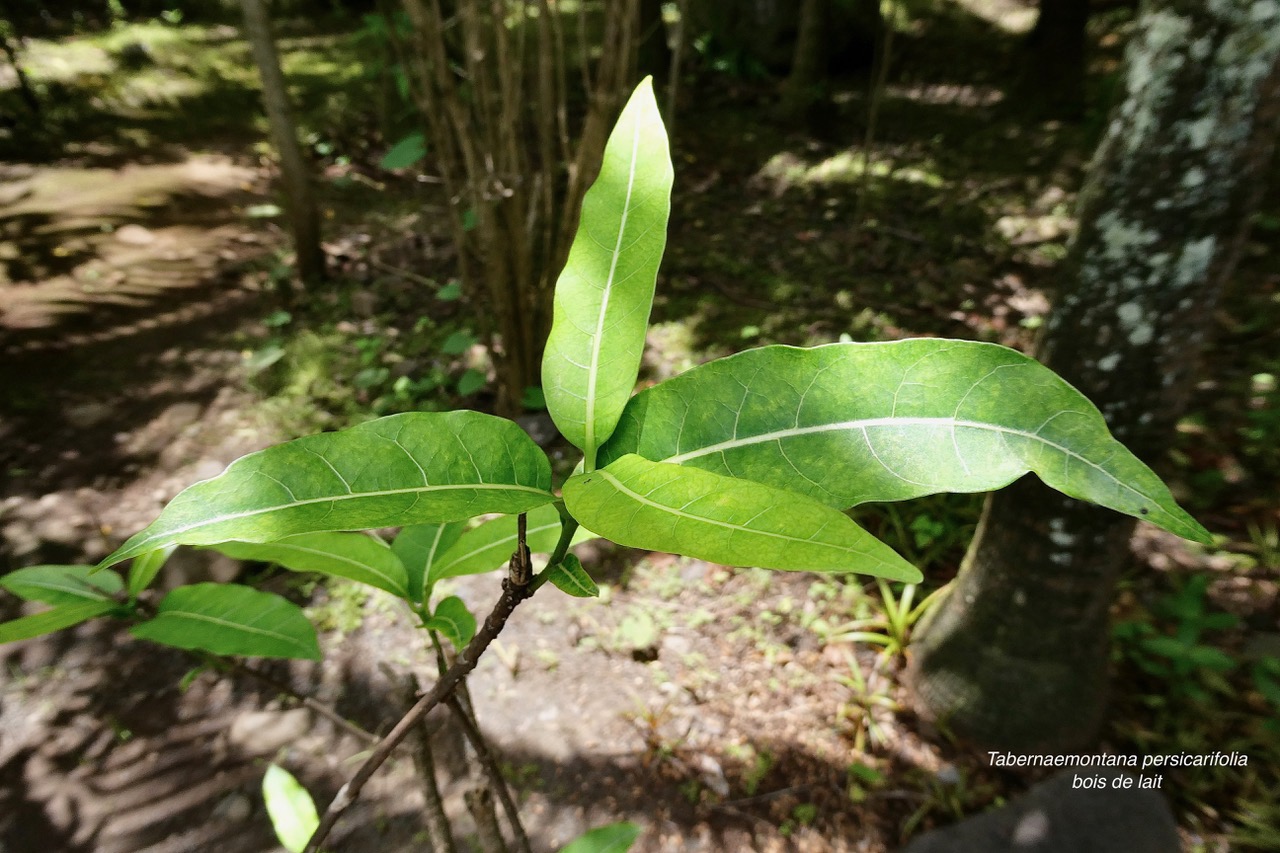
x,y
1015,656
300,203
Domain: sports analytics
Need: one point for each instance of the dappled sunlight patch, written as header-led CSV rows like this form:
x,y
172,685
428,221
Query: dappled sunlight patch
x,y
786,169
947,94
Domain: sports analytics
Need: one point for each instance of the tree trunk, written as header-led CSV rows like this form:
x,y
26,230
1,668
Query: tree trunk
x,y
300,204
654,57
24,85
1052,79
808,69
1015,655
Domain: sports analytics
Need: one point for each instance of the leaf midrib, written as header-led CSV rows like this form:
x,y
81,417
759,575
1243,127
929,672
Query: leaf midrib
x,y
593,370
226,623
868,423
644,499
178,531
332,556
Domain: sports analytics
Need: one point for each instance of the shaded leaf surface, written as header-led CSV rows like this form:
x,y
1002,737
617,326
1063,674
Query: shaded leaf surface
x,y
49,621
354,556
664,507
570,578
145,567
60,585
603,296
490,545
228,619
454,620
418,546
852,423
404,469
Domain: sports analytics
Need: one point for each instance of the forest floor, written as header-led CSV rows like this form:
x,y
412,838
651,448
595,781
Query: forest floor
x,y
145,347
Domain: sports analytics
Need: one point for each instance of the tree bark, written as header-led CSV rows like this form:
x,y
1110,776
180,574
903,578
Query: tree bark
x,y
300,203
1015,656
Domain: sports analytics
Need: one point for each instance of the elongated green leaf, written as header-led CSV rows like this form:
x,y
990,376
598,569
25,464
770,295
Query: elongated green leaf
x,y
290,807
404,469
354,556
570,578
227,619
664,507
852,423
605,292
59,585
52,620
418,546
490,545
405,153
614,838
145,567
454,620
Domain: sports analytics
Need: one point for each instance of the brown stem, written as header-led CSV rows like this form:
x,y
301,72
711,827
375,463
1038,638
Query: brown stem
x,y
480,803
491,769
512,595
464,711
439,832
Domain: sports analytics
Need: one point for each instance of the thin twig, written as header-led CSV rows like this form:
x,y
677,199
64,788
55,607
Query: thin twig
x,y
491,769
512,595
439,832
319,707
407,275
464,711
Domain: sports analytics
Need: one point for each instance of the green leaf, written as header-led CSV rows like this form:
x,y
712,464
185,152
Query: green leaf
x,y
354,556
614,838
292,811
533,399
405,153
52,620
852,423
490,545
450,292
404,469
1210,658
418,546
457,343
145,567
604,294
60,585
662,507
227,619
454,620
470,382
570,578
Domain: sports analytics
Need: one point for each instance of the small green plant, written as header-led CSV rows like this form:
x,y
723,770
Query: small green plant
x,y
1181,659
891,626
750,460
